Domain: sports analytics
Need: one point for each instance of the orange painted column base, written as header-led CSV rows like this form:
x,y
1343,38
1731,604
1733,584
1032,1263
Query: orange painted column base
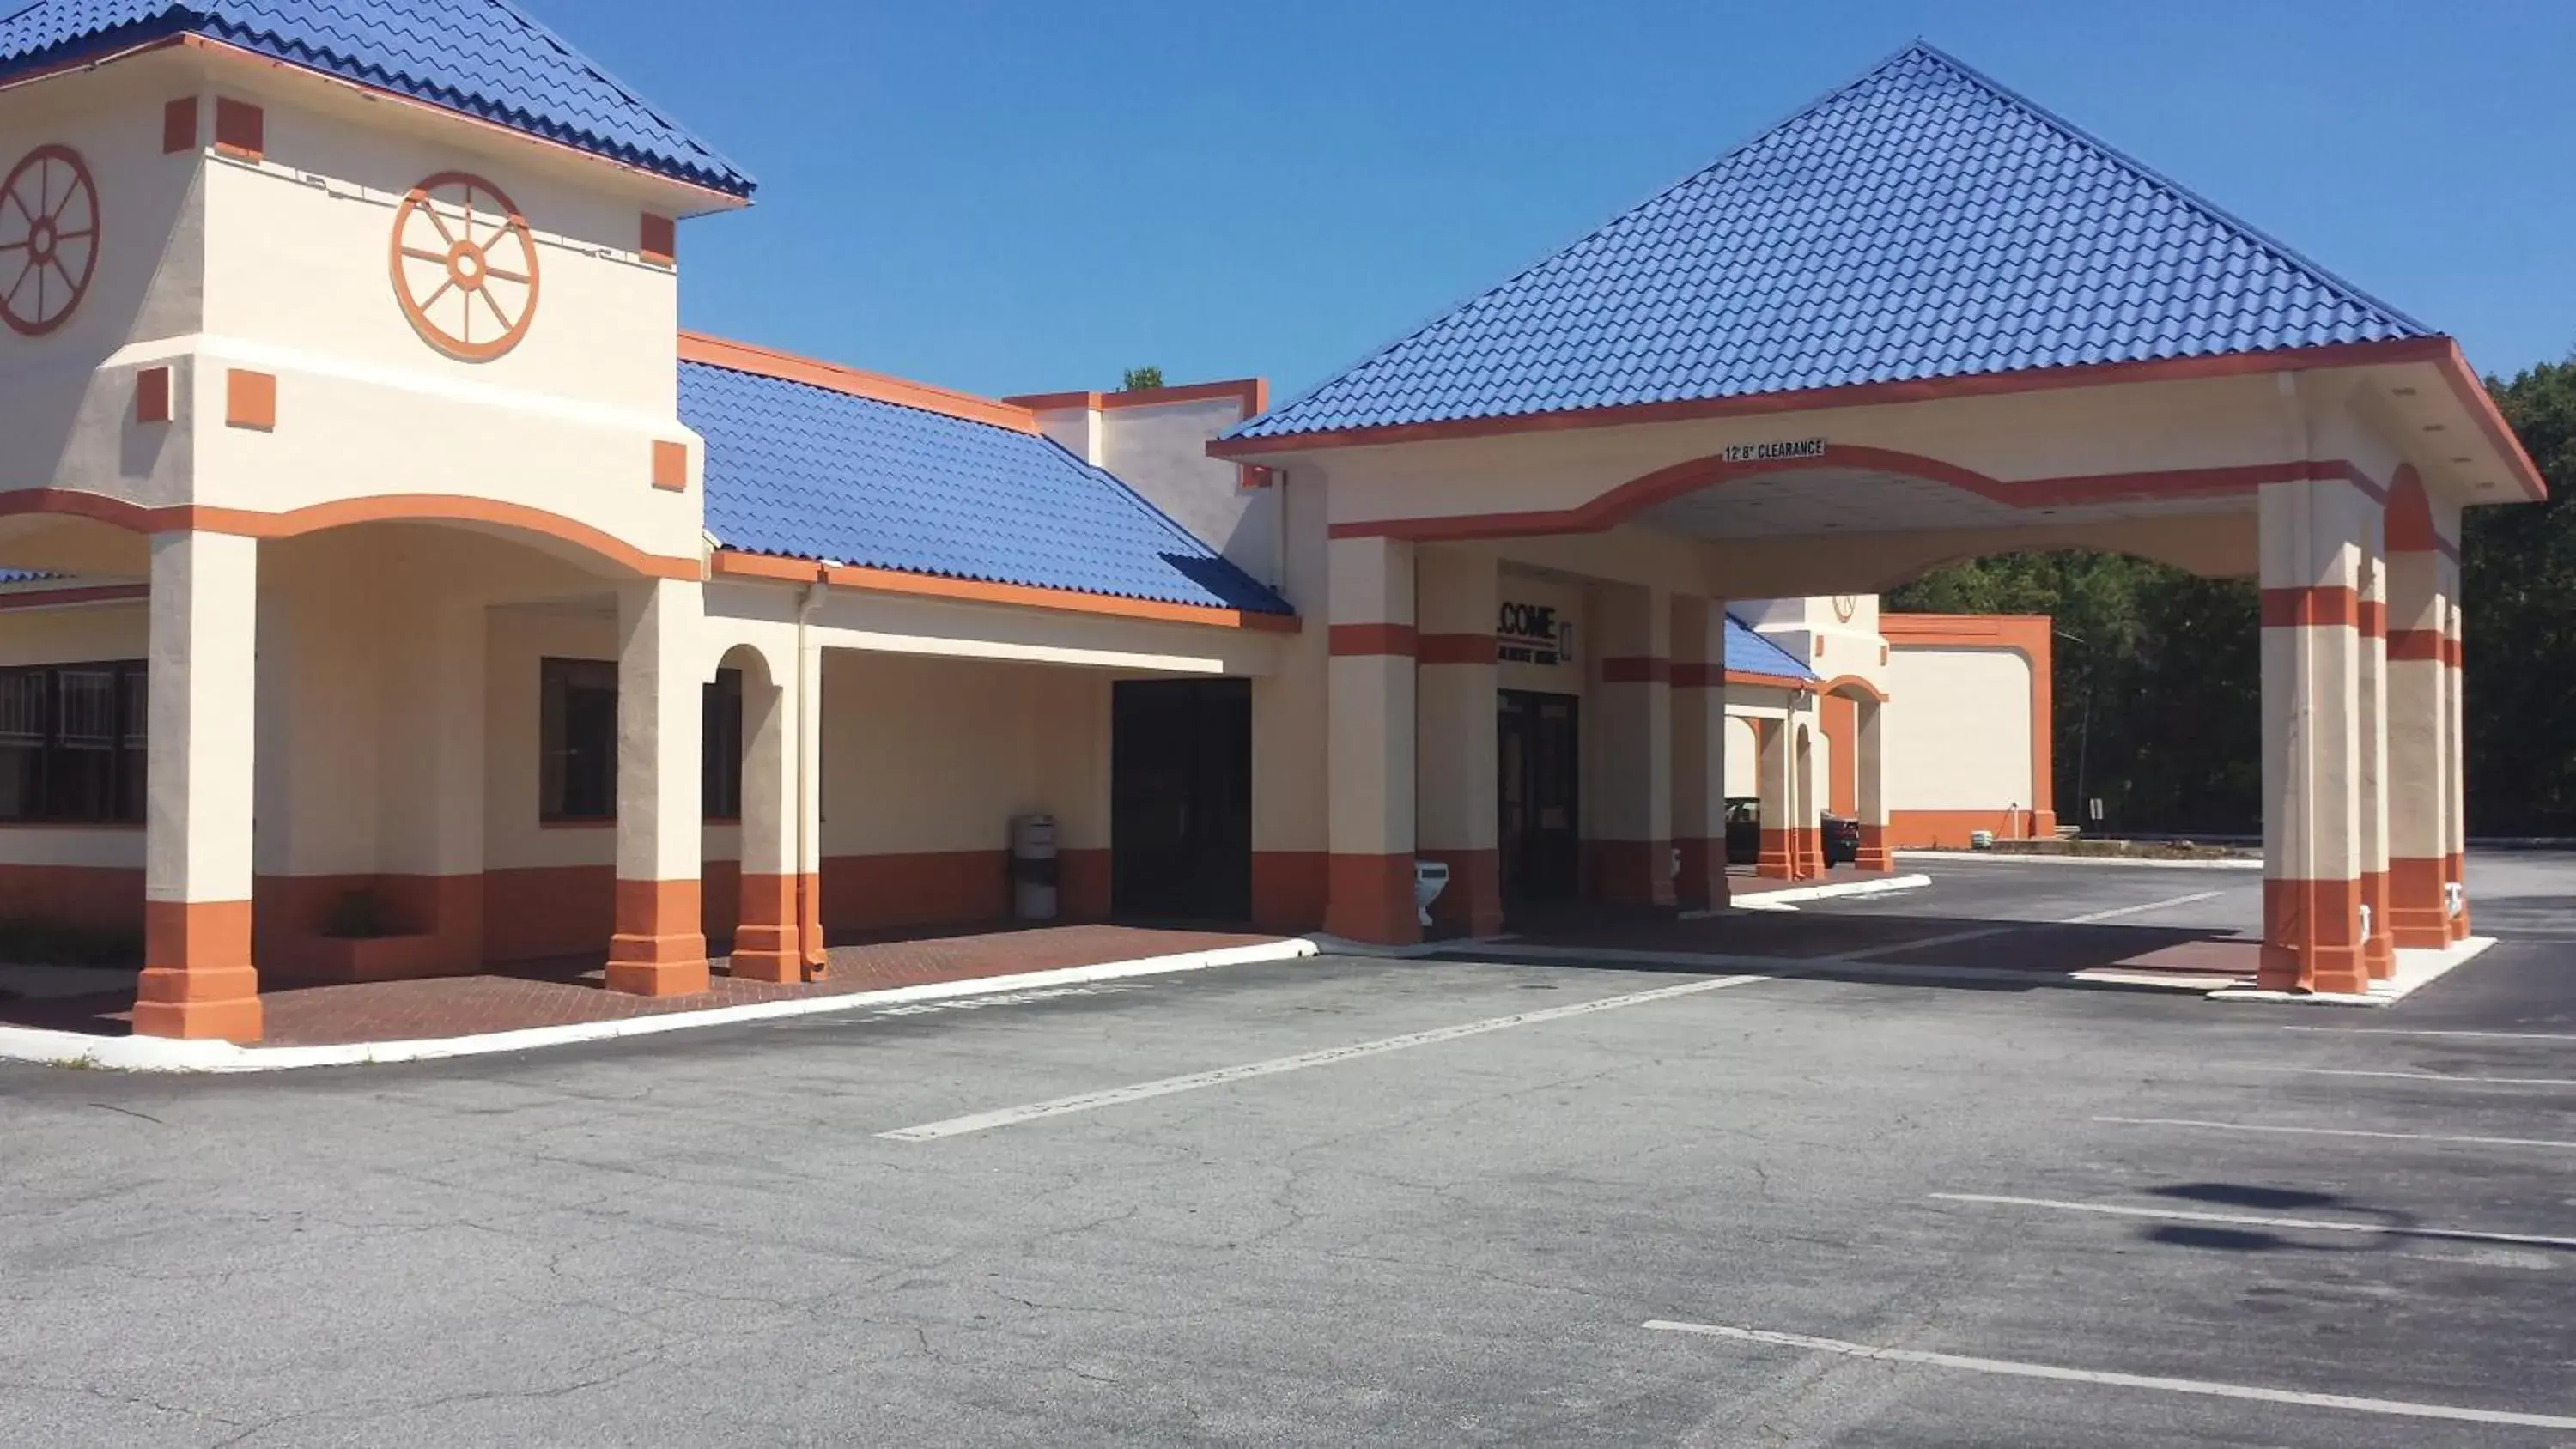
x,y
764,940
2379,948
2418,919
1472,903
2311,931
1776,859
1370,898
658,949
1632,872
1873,853
1702,886
1811,853
197,981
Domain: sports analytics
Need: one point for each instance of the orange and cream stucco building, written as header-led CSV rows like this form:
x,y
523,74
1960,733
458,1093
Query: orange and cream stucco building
x,y
397,588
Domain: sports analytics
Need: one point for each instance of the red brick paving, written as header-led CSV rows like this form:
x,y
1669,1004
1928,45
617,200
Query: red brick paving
x,y
562,993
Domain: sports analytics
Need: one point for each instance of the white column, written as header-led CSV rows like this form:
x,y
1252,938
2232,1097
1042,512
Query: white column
x,y
1456,806
659,948
1632,746
1699,752
765,946
198,980
1369,742
2314,541
1870,785
2378,948
2420,769
1777,859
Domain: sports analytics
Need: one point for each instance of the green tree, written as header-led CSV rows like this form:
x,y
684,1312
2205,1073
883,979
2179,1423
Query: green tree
x,y
1138,379
2518,611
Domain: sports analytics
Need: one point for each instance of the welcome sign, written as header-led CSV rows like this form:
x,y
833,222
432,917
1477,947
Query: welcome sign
x,y
1533,634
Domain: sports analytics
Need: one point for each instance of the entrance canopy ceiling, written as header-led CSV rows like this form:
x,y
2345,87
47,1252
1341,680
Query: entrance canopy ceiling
x,y
1812,501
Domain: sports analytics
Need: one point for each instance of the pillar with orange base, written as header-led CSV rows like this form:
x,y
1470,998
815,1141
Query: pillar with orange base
x,y
1369,742
1456,813
198,980
1631,842
1870,786
658,948
2378,946
2315,538
2421,778
2455,832
1807,843
765,943
1699,752
1775,858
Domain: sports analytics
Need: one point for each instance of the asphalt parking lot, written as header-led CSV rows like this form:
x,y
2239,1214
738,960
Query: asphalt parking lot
x,y
1355,1201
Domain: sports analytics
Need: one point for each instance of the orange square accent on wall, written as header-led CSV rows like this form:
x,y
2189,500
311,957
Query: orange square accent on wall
x,y
250,399
152,395
241,129
661,244
670,465
179,126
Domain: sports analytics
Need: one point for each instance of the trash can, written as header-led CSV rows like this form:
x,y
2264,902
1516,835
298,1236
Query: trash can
x,y
1033,867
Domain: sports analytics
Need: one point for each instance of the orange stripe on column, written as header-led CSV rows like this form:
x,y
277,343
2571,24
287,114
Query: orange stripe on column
x,y
2372,619
2416,646
1636,669
1373,639
1693,674
2322,607
1453,648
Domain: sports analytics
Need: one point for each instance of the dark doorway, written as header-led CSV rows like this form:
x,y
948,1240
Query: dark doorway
x,y
1540,767
1180,798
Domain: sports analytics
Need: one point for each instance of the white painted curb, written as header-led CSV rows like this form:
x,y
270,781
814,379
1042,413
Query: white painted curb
x,y
161,1054
1990,858
1781,900
2416,969
1790,968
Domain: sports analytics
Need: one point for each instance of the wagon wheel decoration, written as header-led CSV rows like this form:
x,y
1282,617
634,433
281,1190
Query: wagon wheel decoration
x,y
464,266
48,239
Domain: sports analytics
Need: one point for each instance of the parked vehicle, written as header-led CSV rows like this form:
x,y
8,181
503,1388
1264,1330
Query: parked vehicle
x,y
1743,830
1744,834
1842,841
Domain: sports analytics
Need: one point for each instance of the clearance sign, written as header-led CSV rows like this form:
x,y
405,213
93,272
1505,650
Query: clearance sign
x,y
1770,452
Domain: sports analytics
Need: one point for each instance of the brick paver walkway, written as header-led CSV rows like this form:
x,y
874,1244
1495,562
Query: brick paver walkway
x,y
560,993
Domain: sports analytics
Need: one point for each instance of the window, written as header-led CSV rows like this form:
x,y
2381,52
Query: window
x,y
720,775
72,743
577,727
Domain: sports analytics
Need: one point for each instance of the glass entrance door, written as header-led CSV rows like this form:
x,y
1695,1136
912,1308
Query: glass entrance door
x,y
1540,770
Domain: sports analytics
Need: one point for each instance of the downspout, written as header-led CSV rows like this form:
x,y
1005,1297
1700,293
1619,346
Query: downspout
x,y
809,723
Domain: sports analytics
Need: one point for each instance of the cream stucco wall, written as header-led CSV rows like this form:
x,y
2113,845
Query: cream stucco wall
x,y
1958,729
1161,451
934,755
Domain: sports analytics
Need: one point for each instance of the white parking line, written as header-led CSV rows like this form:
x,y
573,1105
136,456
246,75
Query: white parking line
x,y
1329,1056
2006,929
2250,1220
2397,1408
2426,1031
2446,1078
2337,1132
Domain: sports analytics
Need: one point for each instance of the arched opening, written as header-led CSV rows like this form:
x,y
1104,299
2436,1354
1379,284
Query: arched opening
x,y
753,890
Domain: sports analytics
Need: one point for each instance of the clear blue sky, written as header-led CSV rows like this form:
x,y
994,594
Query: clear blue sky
x,y
1033,196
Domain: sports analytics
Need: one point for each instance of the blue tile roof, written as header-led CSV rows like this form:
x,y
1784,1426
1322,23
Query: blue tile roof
x,y
485,58
807,472
1751,653
1921,222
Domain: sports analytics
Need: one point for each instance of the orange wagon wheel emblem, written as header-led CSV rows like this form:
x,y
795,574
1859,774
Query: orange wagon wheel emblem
x,y
464,266
48,239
